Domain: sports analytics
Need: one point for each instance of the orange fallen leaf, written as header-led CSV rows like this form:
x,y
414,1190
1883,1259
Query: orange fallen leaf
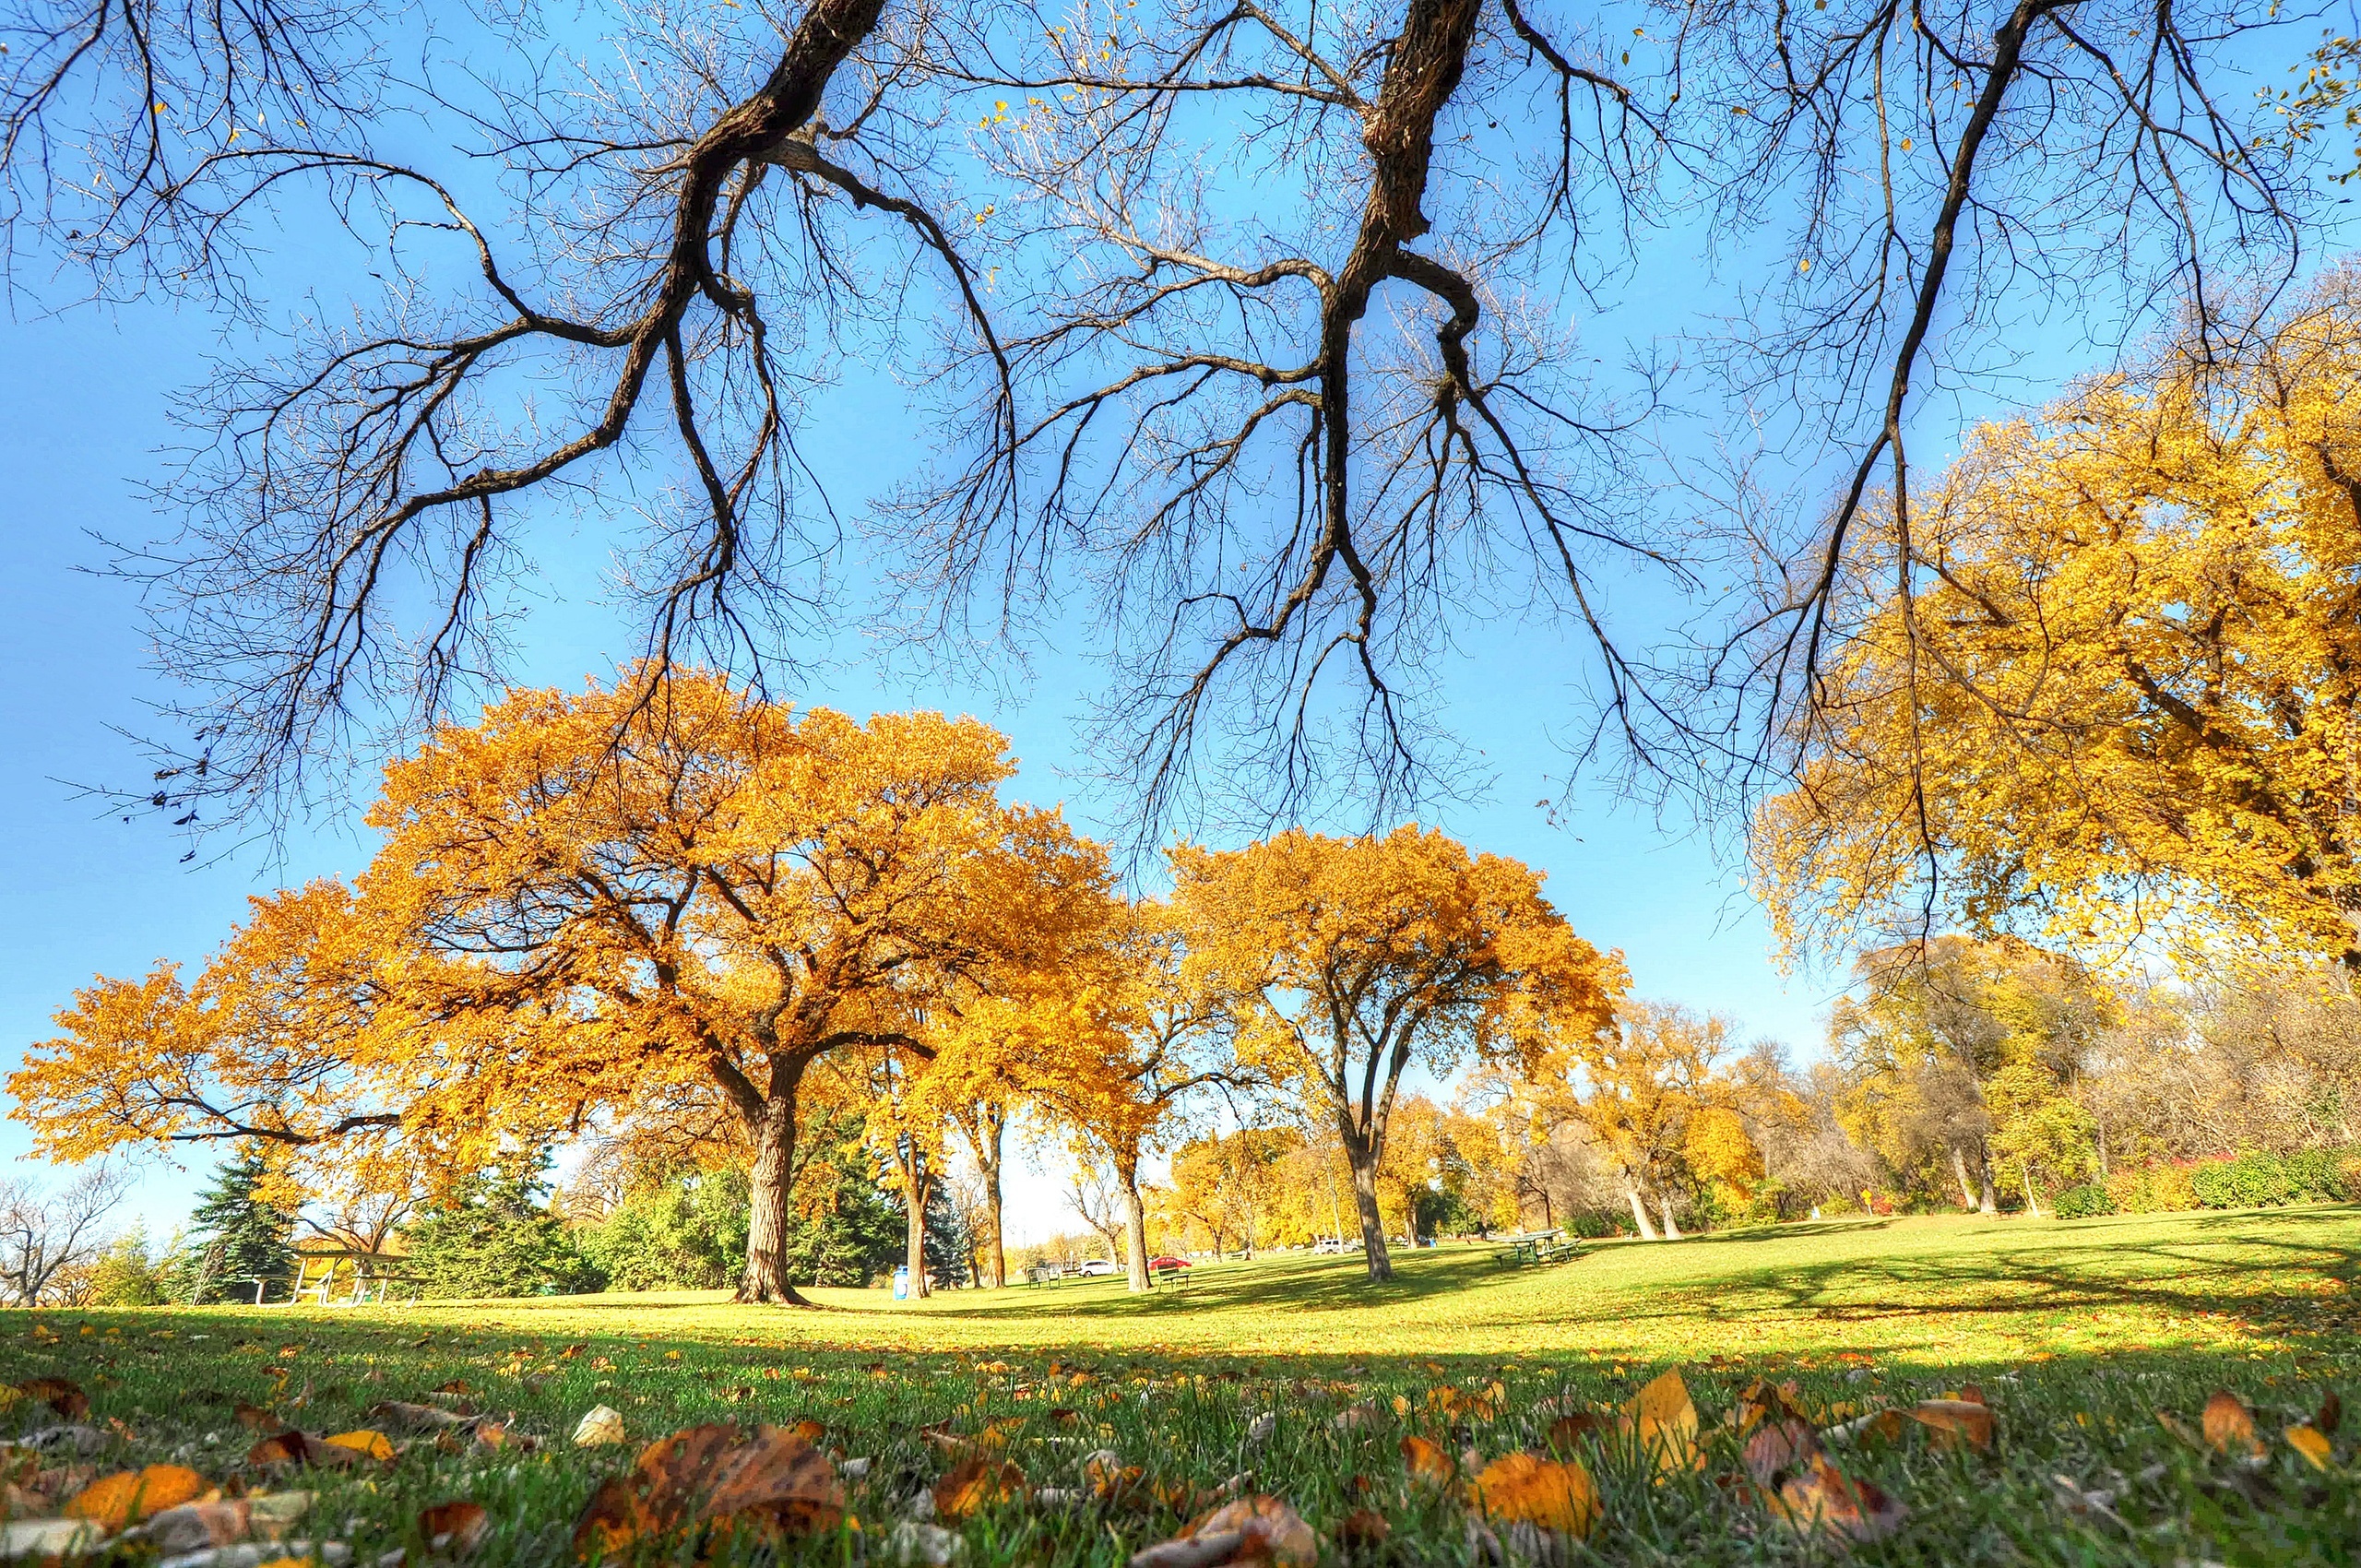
x,y
1822,1501
1664,1419
2229,1426
973,1485
295,1447
1427,1462
1778,1449
1955,1422
374,1443
772,1479
1526,1488
2312,1444
455,1528
131,1496
254,1418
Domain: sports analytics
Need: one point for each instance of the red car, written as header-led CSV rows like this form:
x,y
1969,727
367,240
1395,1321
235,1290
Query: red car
x,y
1169,1262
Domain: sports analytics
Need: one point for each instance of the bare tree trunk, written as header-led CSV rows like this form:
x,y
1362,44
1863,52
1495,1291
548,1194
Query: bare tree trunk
x,y
1640,1212
1381,1267
1135,1225
765,1276
988,1163
2033,1204
1671,1229
1987,1200
1959,1169
918,1185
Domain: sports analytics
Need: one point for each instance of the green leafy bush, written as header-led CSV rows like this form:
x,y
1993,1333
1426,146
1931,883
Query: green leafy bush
x,y
2254,1180
2083,1201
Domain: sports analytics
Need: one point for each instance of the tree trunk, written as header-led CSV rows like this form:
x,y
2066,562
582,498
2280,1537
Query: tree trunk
x,y
1640,1212
917,1184
995,1272
1671,1230
1135,1224
1987,1200
1364,1162
765,1276
2033,1205
1959,1169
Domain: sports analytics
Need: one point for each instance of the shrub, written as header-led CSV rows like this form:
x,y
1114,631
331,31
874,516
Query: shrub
x,y
2083,1201
2266,1181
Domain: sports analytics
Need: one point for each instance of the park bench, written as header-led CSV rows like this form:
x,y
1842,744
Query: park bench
x,y
1169,1274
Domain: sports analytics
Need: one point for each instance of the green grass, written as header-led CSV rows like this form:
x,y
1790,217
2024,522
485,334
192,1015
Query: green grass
x,y
2077,1332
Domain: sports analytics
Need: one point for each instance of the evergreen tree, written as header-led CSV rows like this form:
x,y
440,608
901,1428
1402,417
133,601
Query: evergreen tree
x,y
496,1236
946,1239
236,1236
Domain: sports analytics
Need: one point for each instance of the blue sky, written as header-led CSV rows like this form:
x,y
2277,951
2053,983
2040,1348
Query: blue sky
x,y
82,419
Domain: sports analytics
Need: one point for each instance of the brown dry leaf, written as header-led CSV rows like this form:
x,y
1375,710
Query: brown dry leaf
x,y
1545,1493
973,1485
130,1496
61,1395
193,1526
455,1528
1762,1401
1253,1529
254,1418
295,1447
720,1475
2331,1414
1779,1448
1821,1500
2173,1425
1954,1421
1363,1529
1427,1462
2229,1426
1571,1429
2309,1441
1664,1419
402,1417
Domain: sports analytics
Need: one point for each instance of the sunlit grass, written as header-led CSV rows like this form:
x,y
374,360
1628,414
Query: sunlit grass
x,y
2078,1332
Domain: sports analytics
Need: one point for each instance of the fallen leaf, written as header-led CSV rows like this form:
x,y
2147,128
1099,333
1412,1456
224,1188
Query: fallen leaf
x,y
1822,1501
599,1425
1664,1420
1427,1462
193,1526
772,1479
254,1418
130,1496
1955,1422
455,1528
1253,1529
974,1484
1525,1487
293,1447
1571,1429
2312,1444
1353,1418
2331,1414
2229,1426
374,1443
60,1394
401,1417
1778,1449
1363,1529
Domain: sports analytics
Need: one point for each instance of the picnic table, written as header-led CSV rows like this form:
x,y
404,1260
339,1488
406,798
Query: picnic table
x,y
1535,1246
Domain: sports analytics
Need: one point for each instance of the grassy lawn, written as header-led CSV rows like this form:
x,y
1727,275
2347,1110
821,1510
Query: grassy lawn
x,y
2077,1334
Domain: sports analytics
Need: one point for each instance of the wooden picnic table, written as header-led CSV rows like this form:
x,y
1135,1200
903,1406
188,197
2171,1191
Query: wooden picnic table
x,y
1534,1246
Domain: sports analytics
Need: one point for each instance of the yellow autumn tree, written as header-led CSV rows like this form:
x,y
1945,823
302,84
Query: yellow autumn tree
x,y
635,900
1342,961
2118,701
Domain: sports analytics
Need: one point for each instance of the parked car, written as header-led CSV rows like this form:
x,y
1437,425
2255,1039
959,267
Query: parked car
x,y
1168,1261
1096,1269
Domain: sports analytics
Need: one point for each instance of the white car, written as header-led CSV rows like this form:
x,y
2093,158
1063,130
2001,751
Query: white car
x,y
1096,1269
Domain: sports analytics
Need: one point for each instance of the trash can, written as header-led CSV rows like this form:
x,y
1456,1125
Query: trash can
x,y
902,1283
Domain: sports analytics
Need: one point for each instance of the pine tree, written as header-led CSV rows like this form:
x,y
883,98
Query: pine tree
x,y
236,1236
496,1236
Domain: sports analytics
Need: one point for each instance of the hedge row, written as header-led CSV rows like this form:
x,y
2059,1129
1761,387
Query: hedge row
x,y
2249,1181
